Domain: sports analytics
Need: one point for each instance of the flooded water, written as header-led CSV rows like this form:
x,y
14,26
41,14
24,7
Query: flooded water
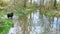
x,y
35,23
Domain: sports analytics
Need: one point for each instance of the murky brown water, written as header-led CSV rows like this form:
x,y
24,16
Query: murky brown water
x,y
35,23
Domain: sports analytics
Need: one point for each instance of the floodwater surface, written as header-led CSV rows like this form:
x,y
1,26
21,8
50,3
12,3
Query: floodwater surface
x,y
35,23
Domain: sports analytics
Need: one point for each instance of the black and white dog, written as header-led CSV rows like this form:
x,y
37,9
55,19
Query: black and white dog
x,y
10,15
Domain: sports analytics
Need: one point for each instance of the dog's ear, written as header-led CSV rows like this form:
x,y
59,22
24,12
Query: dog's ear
x,y
11,12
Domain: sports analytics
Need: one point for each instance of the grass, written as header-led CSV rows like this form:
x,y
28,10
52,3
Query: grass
x,y
5,28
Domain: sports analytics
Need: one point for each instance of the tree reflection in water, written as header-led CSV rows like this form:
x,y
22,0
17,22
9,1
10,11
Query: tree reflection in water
x,y
36,23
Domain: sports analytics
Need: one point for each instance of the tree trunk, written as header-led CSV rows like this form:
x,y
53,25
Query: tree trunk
x,y
55,3
30,2
24,3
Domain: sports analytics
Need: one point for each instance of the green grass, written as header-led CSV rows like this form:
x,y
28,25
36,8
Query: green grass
x,y
5,28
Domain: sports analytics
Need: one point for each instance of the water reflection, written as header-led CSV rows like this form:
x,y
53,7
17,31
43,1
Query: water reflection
x,y
42,24
36,23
